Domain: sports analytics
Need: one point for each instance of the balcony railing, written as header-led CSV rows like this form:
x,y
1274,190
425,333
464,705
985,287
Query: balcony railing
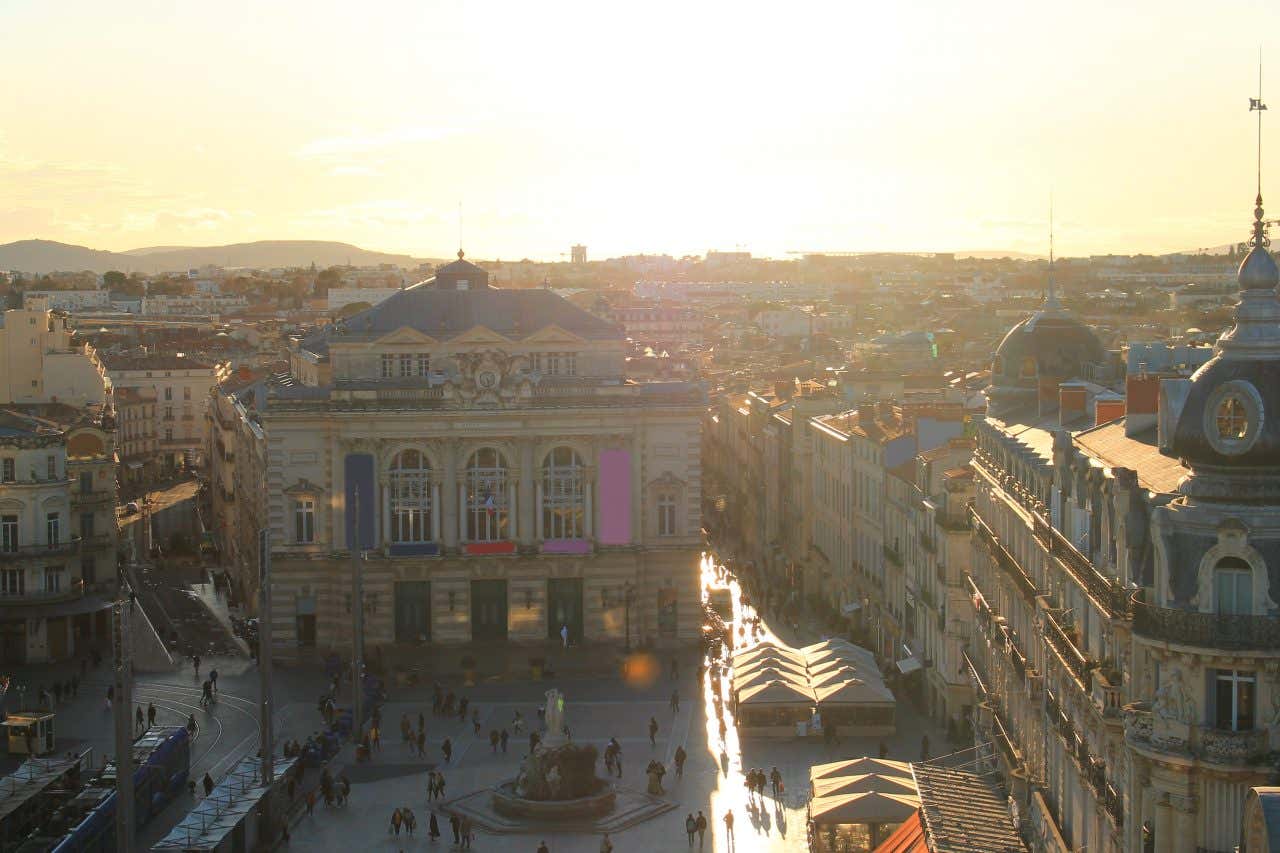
x,y
1004,559
73,591
1206,630
892,556
926,542
53,549
1219,746
1072,658
1107,591
97,497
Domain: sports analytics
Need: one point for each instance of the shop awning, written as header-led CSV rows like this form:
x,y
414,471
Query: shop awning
x,y
906,666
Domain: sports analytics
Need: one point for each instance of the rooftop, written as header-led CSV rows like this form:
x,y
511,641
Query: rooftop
x,y
1109,444
963,812
151,361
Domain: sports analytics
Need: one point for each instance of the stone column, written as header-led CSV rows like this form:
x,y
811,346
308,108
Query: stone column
x,y
1184,824
450,490
435,511
462,513
530,473
1164,824
386,514
588,518
537,510
514,509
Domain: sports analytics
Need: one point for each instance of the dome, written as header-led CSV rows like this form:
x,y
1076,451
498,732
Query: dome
x,y
1046,344
1258,270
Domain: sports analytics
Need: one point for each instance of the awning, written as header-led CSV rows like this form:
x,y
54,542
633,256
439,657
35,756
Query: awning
x,y
909,665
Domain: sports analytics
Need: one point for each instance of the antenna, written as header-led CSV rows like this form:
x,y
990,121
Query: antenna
x,y
1051,301
1256,105
459,227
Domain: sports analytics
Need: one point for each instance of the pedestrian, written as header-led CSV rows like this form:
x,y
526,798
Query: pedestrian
x,y
440,786
680,757
151,714
311,801
208,784
653,731
456,826
213,679
543,848
462,709
728,826
422,744
138,717
466,832
675,701
475,721
422,722
395,822
206,694
375,735
606,846
924,748
195,663
690,827
775,777
564,635
447,749
701,823
504,737
494,737
433,827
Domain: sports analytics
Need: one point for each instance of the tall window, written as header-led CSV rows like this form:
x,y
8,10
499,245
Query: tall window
x,y
86,482
51,467
9,533
1234,695
564,501
424,364
1233,587
406,364
186,392
52,579
410,482
12,582
388,366
487,510
556,363
666,514
52,532
86,525
168,392
8,469
304,521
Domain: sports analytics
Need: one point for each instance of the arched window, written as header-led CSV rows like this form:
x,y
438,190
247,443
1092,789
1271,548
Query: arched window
x,y
564,502
1233,587
410,480
488,515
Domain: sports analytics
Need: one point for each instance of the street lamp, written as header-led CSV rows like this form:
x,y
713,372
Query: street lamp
x,y
627,590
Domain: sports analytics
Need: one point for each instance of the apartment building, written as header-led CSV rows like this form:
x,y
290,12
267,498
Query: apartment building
x,y
180,385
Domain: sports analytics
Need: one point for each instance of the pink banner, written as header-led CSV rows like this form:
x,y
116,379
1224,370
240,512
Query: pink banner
x,y
615,497
566,546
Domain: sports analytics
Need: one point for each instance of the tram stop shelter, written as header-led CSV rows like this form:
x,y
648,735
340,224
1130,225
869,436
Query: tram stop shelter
x,y
227,819
29,732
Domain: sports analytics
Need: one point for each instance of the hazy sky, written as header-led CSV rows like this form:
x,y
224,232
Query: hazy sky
x,y
657,126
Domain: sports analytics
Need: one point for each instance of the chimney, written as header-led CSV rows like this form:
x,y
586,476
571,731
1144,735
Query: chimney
x,y
866,410
1073,399
782,389
1108,409
1142,402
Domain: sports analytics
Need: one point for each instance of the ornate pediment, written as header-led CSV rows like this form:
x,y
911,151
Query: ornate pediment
x,y
404,336
480,335
553,334
489,379
667,480
303,487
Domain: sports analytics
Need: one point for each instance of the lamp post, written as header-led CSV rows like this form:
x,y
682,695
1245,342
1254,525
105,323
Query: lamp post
x,y
627,590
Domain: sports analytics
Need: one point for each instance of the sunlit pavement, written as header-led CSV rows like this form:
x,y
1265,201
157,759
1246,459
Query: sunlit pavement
x,y
595,712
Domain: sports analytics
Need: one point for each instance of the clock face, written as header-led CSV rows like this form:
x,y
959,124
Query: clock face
x,y
487,379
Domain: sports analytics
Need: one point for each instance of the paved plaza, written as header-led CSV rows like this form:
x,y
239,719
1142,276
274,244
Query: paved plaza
x,y
596,711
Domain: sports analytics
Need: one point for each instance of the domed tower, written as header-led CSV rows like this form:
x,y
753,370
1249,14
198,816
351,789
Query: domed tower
x,y
1049,347
1219,543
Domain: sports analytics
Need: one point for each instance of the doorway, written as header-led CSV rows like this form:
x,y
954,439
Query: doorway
x,y
564,607
413,612
488,610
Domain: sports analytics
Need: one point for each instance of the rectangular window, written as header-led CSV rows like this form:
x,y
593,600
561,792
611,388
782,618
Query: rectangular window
x,y
52,532
8,533
168,392
406,365
168,433
424,364
666,514
86,482
7,469
51,467
86,525
1233,591
13,582
1234,700
53,579
388,366
186,392
304,521
168,413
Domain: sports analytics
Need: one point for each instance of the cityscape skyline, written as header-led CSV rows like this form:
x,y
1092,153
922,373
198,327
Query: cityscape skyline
x,y
762,133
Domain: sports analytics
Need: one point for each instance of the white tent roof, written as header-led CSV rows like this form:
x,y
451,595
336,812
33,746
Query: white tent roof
x,y
863,783
776,692
870,807
858,766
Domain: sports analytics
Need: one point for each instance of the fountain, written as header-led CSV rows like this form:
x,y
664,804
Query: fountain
x,y
557,780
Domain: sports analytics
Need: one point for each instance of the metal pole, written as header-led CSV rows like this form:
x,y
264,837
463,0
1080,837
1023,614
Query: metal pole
x,y
123,671
264,656
357,623
626,596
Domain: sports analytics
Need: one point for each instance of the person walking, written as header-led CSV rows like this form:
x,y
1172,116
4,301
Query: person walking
x,y
680,756
206,693
311,802
728,826
606,846
675,701
375,736
207,782
467,834
653,731
690,827
700,823
151,714
195,663
494,737
447,749
456,826
396,818
422,744
433,827
504,737
138,718
564,635
213,679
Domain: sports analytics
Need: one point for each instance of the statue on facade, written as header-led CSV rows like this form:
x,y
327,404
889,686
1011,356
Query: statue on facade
x,y
1173,701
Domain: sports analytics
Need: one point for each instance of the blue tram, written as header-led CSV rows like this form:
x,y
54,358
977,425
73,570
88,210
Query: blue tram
x,y
87,821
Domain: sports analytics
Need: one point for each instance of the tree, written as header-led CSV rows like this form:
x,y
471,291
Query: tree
x,y
327,279
114,279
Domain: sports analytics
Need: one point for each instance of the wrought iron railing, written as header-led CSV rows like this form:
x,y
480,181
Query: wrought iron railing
x,y
1006,561
1072,658
1207,630
1107,591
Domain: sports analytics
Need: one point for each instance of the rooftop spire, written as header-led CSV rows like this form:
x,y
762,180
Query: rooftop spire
x,y
1051,300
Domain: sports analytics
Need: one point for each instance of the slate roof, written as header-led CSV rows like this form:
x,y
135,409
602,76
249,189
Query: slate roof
x,y
963,812
1108,443
444,313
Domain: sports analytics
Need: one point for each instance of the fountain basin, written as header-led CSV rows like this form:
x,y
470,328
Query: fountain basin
x,y
508,803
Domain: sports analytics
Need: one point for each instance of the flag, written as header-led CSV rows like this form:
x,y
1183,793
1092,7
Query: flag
x,y
488,503
1256,104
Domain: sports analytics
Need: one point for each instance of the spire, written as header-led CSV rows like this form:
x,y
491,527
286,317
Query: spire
x,y
1051,300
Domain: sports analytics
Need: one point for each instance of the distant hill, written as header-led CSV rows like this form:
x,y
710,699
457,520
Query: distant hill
x,y
997,254
43,256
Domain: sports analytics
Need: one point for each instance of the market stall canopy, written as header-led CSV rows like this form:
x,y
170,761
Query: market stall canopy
x,y
870,807
776,692
838,675
766,674
854,692
856,766
766,648
837,648
864,783
775,661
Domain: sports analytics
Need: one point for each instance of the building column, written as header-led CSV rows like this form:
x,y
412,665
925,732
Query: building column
x,y
636,445
386,514
588,519
513,511
435,512
537,508
462,513
450,489
1164,825
528,477
1184,824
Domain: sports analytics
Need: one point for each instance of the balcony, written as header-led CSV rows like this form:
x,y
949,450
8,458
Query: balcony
x,y
927,543
892,556
98,497
1010,566
74,590
1064,644
1107,591
1205,630
1207,743
55,549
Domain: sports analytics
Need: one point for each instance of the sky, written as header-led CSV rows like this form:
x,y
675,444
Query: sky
x,y
675,127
